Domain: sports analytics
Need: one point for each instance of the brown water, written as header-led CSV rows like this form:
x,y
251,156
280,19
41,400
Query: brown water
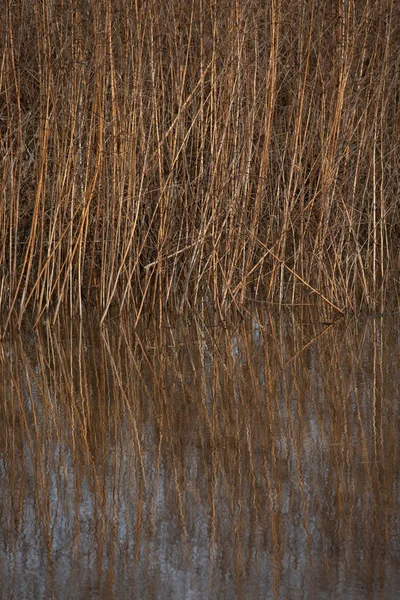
x,y
177,461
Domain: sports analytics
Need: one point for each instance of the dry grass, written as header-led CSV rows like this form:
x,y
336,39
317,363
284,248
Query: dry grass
x,y
162,154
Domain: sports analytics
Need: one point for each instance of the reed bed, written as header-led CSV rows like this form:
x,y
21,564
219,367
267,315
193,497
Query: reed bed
x,y
256,462
164,154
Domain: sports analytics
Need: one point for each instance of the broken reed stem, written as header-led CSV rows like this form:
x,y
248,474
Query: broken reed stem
x,y
282,262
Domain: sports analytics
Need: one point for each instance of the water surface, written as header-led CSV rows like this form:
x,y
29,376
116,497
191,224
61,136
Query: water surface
x,y
258,460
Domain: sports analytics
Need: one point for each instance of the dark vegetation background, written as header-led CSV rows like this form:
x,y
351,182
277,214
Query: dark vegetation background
x,y
161,154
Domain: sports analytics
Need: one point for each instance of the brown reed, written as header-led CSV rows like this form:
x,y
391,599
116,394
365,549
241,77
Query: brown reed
x,y
162,154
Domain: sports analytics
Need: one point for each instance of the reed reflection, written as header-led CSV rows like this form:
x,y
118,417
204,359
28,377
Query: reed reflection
x,y
257,461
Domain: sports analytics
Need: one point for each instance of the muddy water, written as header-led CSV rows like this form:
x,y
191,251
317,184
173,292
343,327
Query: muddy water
x,y
261,460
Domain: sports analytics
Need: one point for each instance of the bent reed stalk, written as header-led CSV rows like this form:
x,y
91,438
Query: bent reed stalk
x,y
162,154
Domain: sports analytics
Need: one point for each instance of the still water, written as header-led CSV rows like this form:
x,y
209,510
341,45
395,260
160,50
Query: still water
x,y
176,460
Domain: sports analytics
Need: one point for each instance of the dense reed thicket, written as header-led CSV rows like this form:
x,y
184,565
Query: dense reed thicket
x,y
163,153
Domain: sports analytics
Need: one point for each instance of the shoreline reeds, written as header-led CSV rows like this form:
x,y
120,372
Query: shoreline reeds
x,y
164,154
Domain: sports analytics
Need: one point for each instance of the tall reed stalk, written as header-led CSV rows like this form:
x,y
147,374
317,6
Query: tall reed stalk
x,y
162,154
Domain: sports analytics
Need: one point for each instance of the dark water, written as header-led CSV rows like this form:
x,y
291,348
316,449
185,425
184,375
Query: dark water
x,y
176,461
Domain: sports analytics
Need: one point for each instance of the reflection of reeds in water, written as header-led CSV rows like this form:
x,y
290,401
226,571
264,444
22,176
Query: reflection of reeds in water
x,y
229,462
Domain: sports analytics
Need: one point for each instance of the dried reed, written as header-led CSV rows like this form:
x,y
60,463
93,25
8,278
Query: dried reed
x,y
161,154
